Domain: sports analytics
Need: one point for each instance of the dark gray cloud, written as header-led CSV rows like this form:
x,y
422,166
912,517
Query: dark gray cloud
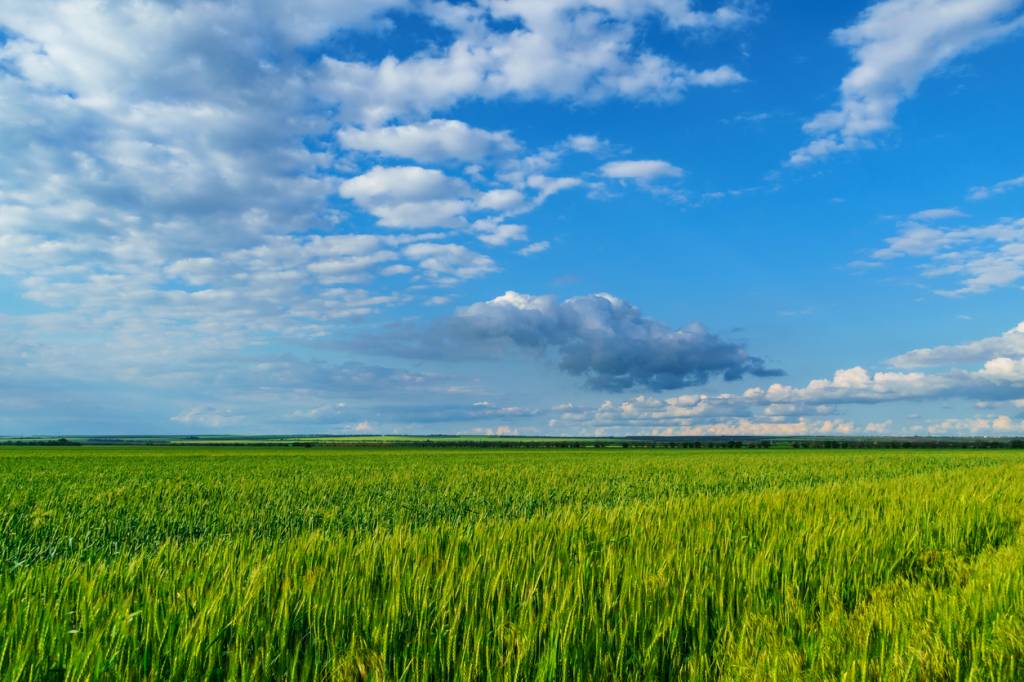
x,y
599,337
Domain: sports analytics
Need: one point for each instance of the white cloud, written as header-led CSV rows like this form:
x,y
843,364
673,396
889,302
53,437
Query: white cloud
x,y
420,214
207,417
398,269
306,22
790,409
999,425
536,247
1007,345
585,144
1004,423
401,184
349,269
430,142
548,186
417,197
501,200
643,170
981,258
879,427
497,233
982,192
409,196
897,44
563,49
758,117
449,262
937,214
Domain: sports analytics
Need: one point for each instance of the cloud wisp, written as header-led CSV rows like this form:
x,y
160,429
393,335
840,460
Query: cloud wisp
x,y
896,44
980,258
1007,345
984,192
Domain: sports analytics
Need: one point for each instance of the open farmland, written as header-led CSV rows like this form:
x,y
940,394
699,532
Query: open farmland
x,y
187,563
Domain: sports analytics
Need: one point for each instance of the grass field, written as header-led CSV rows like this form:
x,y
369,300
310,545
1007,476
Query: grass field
x,y
284,563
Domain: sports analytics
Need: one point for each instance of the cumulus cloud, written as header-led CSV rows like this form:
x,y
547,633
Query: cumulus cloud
x,y
449,263
997,381
783,409
139,145
401,183
1000,425
505,199
433,141
599,337
998,378
408,196
169,199
418,197
896,44
564,49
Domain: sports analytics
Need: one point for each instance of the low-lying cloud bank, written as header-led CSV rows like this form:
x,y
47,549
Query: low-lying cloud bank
x,y
997,384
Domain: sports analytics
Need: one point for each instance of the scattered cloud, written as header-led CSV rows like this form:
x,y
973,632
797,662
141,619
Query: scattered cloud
x,y
643,171
176,207
448,263
181,210
497,233
207,417
409,196
505,199
433,141
981,258
535,247
561,50
749,118
1007,345
931,214
586,144
794,410
599,337
896,44
983,192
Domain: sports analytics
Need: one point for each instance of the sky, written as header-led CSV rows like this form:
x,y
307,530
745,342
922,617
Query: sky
x,y
512,217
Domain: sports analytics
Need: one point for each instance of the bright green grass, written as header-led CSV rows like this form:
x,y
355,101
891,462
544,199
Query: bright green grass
x,y
234,563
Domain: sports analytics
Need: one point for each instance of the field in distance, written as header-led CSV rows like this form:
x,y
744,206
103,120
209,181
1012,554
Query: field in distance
x,y
193,562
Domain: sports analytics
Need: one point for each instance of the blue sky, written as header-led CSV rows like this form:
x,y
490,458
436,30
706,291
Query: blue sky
x,y
512,217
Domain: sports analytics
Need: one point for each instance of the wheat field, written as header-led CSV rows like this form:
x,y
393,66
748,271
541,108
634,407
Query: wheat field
x,y
192,563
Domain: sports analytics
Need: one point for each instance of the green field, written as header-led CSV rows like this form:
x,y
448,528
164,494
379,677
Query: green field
x,y
191,563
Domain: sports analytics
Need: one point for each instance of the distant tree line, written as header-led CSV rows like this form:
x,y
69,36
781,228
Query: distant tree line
x,y
54,441
675,443
679,444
